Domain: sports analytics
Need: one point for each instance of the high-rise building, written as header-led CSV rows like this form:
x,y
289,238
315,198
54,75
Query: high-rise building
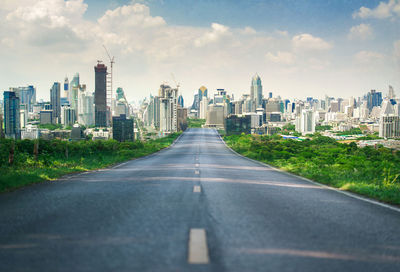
x,y
203,108
74,92
203,92
389,126
26,95
391,94
68,116
86,108
122,128
168,109
305,123
374,99
55,102
100,96
11,115
256,91
66,88
180,101
46,117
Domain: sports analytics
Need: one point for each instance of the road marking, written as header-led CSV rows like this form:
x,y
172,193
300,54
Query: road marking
x,y
197,165
198,251
196,189
197,172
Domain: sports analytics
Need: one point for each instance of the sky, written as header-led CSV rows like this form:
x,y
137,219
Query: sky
x,y
299,48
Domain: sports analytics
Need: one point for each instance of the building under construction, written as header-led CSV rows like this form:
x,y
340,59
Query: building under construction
x,y
102,114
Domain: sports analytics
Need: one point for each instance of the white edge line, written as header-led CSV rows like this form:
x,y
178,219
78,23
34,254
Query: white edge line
x,y
316,183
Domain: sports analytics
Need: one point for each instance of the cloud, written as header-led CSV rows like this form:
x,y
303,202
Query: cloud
x,y
396,47
248,31
362,32
280,57
216,33
384,10
308,42
368,57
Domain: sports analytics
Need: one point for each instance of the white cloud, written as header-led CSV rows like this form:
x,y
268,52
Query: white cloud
x,y
361,31
281,57
308,42
382,11
396,47
248,30
368,57
216,33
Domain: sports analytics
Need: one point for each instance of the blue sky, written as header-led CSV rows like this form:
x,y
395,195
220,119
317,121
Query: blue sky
x,y
300,48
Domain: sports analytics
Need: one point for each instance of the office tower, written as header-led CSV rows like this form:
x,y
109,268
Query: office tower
x,y
182,118
122,128
389,126
11,115
203,107
203,92
374,99
180,101
273,105
68,116
215,117
334,106
74,92
196,103
100,96
26,95
46,117
66,88
305,123
168,109
256,91
86,107
270,95
55,102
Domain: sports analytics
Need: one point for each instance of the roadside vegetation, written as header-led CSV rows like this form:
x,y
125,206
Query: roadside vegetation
x,y
369,171
195,123
24,162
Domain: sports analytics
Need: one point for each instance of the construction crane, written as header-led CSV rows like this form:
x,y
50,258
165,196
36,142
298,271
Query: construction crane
x,y
177,84
109,81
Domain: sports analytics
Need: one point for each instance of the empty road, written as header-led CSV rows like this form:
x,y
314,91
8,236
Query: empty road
x,y
196,206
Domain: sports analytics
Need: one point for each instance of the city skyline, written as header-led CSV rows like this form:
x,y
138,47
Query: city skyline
x,y
294,56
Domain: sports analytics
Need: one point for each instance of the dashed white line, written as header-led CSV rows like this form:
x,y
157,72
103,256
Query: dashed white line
x,y
196,189
197,165
197,172
198,251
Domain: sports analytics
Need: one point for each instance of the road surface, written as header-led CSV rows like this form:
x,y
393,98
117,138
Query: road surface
x,y
196,206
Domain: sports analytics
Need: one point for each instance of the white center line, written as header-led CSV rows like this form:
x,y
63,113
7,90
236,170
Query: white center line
x,y
198,251
196,189
197,172
197,165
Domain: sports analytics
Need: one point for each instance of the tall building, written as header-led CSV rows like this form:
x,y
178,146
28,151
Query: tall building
x,y
1,126
74,92
122,128
100,96
180,101
11,115
68,116
168,109
203,108
391,94
66,87
389,126
374,99
203,92
55,102
305,123
86,108
26,95
256,91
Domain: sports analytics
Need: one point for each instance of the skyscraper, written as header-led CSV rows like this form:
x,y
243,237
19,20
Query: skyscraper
x,y
122,128
66,87
256,91
374,99
55,102
74,92
11,115
100,95
26,95
203,92
180,101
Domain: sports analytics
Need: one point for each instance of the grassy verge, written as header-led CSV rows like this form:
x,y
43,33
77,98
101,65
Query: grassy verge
x,y
367,171
54,161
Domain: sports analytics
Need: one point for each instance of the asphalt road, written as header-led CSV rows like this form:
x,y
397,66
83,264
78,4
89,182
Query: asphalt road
x,y
140,216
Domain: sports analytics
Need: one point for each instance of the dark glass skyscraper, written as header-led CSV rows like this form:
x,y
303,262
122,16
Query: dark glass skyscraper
x,y
11,115
55,102
100,95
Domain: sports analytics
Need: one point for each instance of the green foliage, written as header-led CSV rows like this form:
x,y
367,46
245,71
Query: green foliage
x,y
50,126
195,123
353,131
368,171
53,162
323,128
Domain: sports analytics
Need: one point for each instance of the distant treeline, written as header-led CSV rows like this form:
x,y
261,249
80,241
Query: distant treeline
x,y
374,172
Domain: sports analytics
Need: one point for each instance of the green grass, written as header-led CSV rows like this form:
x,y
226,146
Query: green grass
x,y
52,162
195,123
374,173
